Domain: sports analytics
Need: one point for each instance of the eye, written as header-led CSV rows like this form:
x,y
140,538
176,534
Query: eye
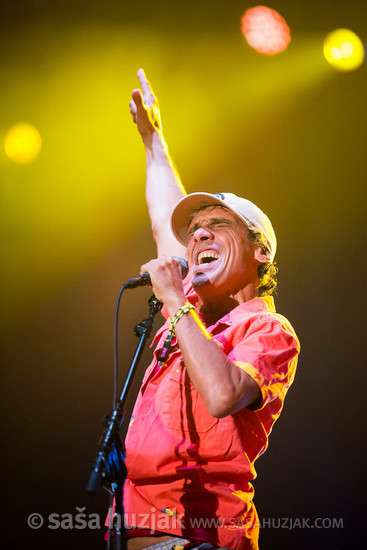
x,y
220,225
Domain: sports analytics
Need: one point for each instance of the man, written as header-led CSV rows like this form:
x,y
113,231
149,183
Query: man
x,y
222,362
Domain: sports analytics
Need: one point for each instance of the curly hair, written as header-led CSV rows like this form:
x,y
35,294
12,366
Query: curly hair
x,y
267,272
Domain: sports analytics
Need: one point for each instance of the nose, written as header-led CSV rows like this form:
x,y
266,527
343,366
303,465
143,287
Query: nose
x,y
202,234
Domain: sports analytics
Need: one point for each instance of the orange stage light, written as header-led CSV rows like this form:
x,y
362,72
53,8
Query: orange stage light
x,y
265,30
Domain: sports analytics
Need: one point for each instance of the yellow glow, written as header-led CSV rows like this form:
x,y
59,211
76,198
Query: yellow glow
x,y
88,193
344,50
23,143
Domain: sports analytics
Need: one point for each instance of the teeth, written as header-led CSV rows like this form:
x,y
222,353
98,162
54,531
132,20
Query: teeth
x,y
207,254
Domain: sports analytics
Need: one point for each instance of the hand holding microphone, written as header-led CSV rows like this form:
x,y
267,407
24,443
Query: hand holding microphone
x,y
164,261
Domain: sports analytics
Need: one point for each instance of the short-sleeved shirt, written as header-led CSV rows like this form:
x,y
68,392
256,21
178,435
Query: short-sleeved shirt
x,y
189,473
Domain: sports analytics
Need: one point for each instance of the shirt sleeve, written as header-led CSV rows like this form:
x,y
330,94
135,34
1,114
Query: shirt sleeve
x,y
268,353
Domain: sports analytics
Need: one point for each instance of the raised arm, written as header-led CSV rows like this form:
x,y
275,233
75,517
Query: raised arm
x,y
163,186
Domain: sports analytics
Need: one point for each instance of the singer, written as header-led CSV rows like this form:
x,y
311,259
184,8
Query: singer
x,y
222,364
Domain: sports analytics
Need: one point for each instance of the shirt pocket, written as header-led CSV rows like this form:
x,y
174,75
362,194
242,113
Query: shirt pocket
x,y
182,408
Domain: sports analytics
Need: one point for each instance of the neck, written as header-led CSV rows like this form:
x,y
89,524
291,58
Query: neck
x,y
215,308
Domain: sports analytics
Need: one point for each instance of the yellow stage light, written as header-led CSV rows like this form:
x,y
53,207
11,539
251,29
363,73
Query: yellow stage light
x,y
344,50
23,143
265,30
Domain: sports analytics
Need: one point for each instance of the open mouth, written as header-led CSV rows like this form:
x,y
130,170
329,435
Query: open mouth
x,y
207,256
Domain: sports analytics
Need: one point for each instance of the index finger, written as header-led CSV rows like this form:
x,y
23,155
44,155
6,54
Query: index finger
x,y
144,83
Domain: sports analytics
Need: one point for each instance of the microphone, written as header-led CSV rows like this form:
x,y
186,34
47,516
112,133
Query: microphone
x,y
144,278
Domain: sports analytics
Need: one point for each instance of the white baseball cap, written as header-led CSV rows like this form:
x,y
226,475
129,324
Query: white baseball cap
x,y
251,214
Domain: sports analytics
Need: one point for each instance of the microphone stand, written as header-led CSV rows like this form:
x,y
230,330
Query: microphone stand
x,y
109,469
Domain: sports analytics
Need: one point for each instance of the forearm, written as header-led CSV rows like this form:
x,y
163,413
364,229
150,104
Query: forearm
x,y
163,185
224,387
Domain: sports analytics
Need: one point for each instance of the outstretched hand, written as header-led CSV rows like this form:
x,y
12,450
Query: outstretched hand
x,y
144,108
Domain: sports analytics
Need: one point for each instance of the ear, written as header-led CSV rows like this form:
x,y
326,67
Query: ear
x,y
261,256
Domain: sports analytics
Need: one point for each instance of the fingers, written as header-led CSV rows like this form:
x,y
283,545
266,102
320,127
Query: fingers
x,y
135,103
156,263
144,83
145,267
144,107
133,109
165,276
148,94
162,263
136,95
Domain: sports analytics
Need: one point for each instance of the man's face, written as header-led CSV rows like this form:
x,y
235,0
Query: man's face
x,y
221,258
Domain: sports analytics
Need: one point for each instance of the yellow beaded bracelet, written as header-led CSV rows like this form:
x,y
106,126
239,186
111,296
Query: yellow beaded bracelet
x,y
187,307
180,313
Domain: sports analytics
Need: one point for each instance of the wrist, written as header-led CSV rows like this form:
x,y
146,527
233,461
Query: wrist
x,y
155,144
174,304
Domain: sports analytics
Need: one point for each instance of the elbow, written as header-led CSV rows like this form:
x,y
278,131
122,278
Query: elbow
x,y
220,413
228,404
231,392
221,407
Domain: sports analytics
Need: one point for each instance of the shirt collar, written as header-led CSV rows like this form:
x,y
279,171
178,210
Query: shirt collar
x,y
256,305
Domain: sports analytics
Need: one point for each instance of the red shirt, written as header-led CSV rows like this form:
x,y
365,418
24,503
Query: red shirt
x,y
189,473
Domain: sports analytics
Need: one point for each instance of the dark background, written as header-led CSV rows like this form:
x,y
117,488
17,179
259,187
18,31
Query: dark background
x,y
288,132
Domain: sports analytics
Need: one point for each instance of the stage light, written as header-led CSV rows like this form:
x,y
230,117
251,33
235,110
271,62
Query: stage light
x,y
344,50
22,143
265,30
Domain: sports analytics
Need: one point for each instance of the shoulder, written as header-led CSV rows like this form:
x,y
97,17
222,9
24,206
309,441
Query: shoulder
x,y
257,321
278,323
